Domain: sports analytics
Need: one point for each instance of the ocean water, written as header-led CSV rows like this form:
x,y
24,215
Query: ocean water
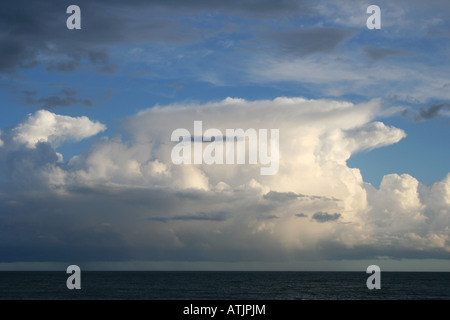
x,y
232,285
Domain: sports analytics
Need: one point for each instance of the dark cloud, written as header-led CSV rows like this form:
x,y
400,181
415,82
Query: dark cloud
x,y
377,54
63,66
289,196
282,196
36,29
99,56
110,68
203,216
432,111
59,253
14,54
42,225
301,215
325,216
119,223
304,42
35,33
19,166
65,98
245,7
268,217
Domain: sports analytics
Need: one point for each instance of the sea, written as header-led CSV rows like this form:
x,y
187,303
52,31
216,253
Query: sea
x,y
226,285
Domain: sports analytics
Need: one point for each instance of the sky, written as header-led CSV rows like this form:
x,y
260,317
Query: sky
x,y
87,175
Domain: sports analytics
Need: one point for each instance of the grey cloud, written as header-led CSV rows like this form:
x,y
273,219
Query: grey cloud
x,y
289,196
432,111
254,8
39,225
41,228
282,196
38,28
377,54
99,56
269,217
325,216
64,253
19,167
201,216
63,66
304,42
301,215
110,68
65,98
405,112
122,223
15,54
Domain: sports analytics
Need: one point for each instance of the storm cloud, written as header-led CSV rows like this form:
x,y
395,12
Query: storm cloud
x,y
71,191
126,200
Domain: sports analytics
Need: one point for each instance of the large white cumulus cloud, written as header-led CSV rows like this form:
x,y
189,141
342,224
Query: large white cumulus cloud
x,y
128,195
313,135
316,139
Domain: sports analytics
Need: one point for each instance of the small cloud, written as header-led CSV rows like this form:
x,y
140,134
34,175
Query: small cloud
x,y
269,217
325,216
65,98
432,111
377,54
109,68
301,215
98,56
305,42
200,216
63,65
282,196
290,196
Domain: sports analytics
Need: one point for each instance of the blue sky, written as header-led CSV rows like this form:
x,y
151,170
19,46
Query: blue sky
x,y
87,116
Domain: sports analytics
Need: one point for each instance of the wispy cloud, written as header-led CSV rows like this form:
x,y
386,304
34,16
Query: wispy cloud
x,y
308,41
325,216
200,216
65,98
377,54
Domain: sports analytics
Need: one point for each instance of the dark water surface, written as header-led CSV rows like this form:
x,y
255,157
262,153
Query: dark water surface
x,y
217,285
